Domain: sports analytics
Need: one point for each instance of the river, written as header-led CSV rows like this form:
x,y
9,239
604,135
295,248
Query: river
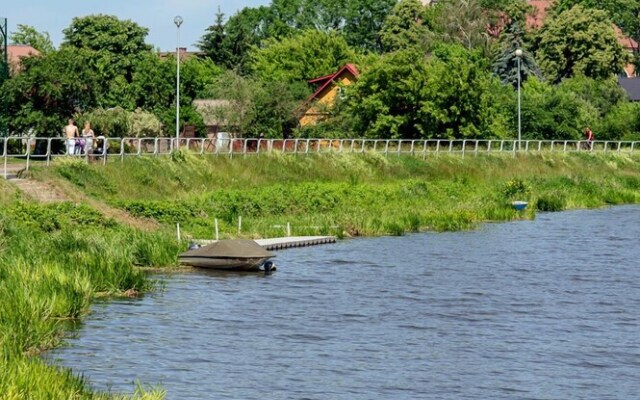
x,y
544,309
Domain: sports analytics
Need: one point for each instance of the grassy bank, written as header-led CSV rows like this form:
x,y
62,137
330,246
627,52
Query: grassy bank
x,y
54,259
353,194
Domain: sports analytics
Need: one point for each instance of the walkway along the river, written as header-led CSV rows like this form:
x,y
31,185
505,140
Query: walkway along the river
x,y
24,150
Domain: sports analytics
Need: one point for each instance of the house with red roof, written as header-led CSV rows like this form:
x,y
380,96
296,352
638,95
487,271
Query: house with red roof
x,y
15,54
328,89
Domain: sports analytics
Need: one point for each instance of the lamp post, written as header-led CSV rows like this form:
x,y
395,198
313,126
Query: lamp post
x,y
178,21
518,55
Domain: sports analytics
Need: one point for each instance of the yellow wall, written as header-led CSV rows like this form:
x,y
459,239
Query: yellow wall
x,y
317,110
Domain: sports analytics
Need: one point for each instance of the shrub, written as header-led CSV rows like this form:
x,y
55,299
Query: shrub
x,y
553,202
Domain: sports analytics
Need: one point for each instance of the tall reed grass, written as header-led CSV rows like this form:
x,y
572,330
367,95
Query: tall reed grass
x,y
53,260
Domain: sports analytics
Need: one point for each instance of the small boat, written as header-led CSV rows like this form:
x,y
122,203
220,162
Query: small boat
x,y
519,205
228,255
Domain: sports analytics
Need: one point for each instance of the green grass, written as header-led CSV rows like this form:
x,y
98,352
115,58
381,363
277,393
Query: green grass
x,y
54,260
362,194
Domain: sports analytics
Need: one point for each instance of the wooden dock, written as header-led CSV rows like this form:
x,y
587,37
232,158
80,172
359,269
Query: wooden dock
x,y
291,242
287,242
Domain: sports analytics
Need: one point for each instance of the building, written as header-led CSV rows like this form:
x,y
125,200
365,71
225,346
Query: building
x,y
184,54
328,89
15,54
631,86
214,114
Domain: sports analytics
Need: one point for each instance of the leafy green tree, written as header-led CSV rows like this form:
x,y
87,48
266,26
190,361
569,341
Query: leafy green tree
x,y
49,90
305,56
579,41
551,112
385,102
359,21
462,98
404,26
116,44
256,107
624,13
451,94
622,122
28,35
603,94
363,21
154,82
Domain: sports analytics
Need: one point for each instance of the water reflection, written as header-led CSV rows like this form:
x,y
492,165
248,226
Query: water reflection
x,y
547,309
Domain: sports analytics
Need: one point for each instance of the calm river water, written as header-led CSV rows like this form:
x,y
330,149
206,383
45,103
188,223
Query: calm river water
x,y
548,309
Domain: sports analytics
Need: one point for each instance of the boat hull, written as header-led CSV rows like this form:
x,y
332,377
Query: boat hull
x,y
225,264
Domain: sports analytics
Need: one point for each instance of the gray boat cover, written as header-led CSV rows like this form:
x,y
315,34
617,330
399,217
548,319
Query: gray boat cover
x,y
234,248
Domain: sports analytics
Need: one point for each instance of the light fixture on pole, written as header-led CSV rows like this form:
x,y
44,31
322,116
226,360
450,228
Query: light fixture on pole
x,y
518,55
178,21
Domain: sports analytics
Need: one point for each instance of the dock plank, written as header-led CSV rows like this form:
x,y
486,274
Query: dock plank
x,y
287,242
295,241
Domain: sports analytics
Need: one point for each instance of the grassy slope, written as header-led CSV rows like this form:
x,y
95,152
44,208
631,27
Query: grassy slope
x,y
353,194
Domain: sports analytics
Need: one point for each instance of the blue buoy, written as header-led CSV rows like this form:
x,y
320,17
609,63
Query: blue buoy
x,y
519,205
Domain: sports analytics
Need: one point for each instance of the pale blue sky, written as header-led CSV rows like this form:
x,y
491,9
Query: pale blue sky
x,y
156,15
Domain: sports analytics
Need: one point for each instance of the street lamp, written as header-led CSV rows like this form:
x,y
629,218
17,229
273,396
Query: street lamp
x,y
518,55
178,21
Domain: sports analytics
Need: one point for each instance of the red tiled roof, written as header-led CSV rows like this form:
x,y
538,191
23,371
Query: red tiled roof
x,y
17,51
540,10
325,81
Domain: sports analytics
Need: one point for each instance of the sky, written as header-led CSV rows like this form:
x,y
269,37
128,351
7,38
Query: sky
x,y
53,16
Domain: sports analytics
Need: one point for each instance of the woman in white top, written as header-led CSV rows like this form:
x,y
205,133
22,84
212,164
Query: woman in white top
x,y
87,134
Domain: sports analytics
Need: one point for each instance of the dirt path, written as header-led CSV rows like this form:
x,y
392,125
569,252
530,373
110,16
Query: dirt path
x,y
61,191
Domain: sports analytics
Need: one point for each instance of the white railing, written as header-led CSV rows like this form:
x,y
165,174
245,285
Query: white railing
x,y
28,149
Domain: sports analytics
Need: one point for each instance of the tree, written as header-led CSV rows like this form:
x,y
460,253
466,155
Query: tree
x,y
505,62
214,41
255,107
462,98
404,26
363,21
579,41
551,112
602,94
624,13
242,32
385,102
305,56
49,90
116,44
463,22
451,94
28,35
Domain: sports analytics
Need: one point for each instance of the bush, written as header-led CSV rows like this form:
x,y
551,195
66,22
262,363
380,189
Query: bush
x,y
551,202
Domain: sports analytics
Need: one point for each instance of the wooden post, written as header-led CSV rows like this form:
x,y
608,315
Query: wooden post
x,y
217,236
178,231
239,225
288,229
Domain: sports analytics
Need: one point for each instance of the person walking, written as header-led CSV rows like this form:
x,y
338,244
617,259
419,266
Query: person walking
x,y
87,134
589,136
71,133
